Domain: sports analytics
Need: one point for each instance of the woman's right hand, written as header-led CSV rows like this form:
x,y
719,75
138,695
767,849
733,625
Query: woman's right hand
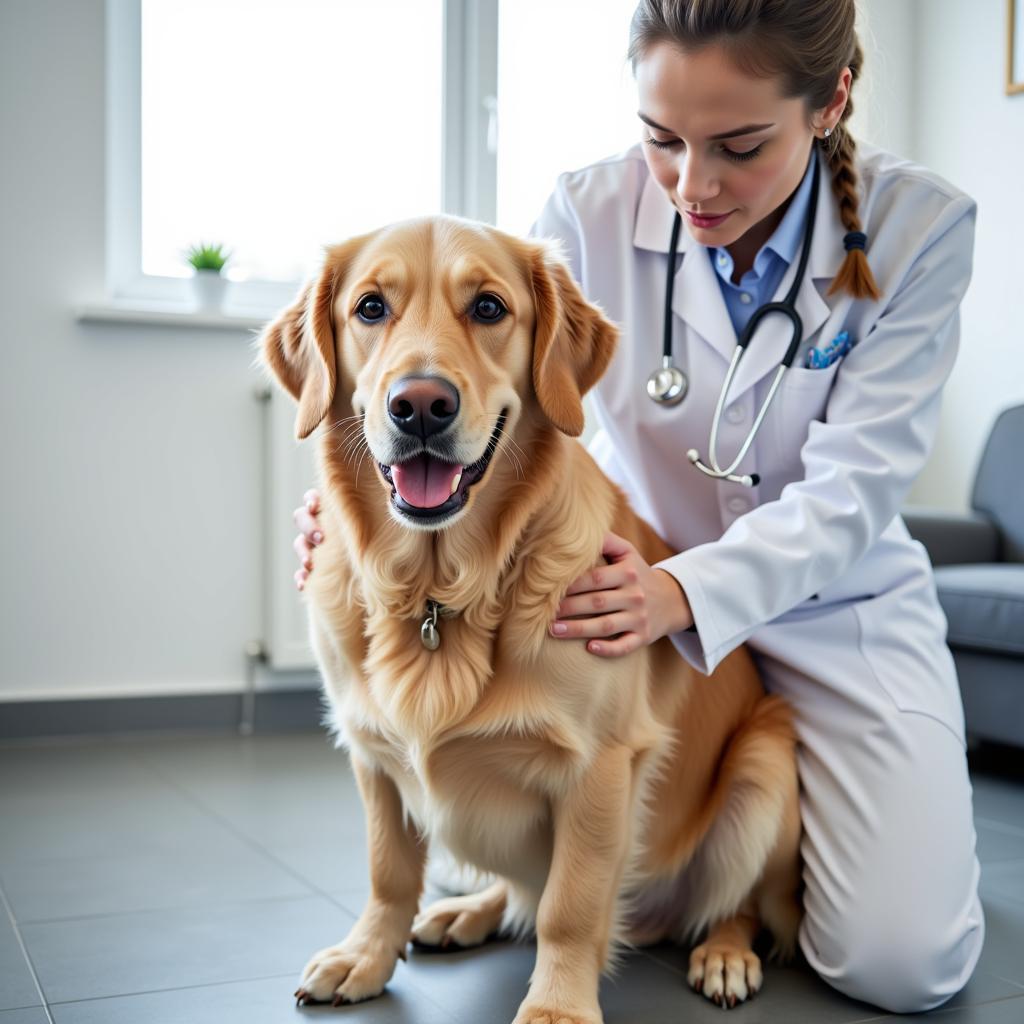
x,y
305,517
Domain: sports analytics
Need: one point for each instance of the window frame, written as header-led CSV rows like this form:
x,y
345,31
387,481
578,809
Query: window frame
x,y
468,161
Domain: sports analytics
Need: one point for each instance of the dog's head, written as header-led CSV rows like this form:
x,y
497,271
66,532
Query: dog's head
x,y
438,337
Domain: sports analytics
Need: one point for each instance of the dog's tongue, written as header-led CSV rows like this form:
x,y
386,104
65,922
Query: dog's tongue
x,y
425,481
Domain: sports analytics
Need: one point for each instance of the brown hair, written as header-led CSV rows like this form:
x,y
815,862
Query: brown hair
x,y
807,44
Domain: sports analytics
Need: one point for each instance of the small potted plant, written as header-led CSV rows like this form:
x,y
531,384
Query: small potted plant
x,y
208,283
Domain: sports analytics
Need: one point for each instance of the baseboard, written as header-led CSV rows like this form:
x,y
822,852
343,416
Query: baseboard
x,y
272,711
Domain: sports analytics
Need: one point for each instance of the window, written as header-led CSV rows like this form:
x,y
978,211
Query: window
x,y
566,96
278,127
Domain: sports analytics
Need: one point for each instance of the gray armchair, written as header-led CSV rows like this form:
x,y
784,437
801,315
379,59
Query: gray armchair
x,y
979,572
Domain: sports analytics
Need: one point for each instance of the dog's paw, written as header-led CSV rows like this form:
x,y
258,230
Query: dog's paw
x,y
544,1015
456,921
347,974
726,974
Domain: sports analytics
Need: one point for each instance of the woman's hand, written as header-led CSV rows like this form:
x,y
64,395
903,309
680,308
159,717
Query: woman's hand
x,y
311,535
626,599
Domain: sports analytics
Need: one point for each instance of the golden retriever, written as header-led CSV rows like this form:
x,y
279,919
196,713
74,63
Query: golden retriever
x,y
615,801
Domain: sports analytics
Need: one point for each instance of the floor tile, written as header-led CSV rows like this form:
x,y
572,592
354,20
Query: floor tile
x,y
488,984
643,993
340,863
280,791
999,799
219,868
113,809
1003,1011
998,841
129,953
1004,879
28,1015
792,993
354,899
16,985
293,769
264,1001
1003,953
225,832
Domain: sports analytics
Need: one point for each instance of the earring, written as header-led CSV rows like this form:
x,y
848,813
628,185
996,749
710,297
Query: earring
x,y
828,132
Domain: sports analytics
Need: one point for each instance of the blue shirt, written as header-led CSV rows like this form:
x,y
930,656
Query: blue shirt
x,y
758,285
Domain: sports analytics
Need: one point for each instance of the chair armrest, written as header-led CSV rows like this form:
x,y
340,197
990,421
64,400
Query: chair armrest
x,y
953,538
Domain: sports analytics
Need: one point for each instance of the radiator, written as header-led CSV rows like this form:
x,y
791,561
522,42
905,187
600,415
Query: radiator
x,y
290,472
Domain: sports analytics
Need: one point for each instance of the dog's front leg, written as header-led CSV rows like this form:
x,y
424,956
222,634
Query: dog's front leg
x,y
575,916
360,966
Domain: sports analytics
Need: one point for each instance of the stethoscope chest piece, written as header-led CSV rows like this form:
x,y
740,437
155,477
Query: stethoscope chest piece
x,y
667,385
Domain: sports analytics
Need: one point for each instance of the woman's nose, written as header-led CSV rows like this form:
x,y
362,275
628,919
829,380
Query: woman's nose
x,y
696,182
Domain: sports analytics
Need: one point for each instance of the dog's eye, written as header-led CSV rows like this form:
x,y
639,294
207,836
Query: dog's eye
x,y
488,308
371,309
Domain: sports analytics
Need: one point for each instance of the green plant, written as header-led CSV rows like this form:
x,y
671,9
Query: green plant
x,y
207,257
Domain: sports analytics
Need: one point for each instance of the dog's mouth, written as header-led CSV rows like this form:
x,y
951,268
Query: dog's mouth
x,y
426,487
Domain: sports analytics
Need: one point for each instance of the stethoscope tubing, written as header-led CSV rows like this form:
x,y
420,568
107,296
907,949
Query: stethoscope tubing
x,y
787,307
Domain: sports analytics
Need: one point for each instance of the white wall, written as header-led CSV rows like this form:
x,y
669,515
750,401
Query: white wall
x,y
968,130
130,528
884,97
934,78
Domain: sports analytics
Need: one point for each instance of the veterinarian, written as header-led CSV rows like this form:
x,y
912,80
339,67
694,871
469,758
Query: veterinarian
x,y
796,548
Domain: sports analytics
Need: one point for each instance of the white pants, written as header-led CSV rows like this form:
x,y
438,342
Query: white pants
x,y
892,914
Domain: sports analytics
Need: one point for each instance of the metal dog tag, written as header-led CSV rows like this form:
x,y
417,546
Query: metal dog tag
x,y
428,631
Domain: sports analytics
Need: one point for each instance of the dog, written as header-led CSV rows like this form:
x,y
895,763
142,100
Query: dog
x,y
613,801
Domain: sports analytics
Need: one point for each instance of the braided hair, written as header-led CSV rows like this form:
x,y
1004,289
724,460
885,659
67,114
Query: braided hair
x,y
805,42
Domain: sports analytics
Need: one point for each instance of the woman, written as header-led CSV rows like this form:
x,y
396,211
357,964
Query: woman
x,y
744,104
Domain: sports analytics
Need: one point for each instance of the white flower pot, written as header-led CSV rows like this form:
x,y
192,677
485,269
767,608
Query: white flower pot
x,y
209,289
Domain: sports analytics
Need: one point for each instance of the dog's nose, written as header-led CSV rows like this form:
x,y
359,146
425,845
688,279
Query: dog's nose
x,y
422,406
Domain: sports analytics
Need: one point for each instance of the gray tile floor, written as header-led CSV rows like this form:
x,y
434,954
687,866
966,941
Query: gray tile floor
x,y
189,878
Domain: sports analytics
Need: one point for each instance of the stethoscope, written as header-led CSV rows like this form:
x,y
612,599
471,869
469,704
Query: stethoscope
x,y
668,385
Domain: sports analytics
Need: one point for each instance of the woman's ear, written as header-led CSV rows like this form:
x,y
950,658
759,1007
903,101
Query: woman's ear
x,y
299,346
573,340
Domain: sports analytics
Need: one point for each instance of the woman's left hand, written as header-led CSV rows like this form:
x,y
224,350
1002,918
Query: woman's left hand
x,y
625,599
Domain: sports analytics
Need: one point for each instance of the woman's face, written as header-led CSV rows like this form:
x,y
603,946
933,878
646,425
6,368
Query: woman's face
x,y
728,149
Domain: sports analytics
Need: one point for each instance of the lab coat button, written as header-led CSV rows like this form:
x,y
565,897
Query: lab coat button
x,y
735,414
738,504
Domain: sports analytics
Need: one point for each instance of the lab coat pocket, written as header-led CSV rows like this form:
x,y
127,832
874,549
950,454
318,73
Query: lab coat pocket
x,y
802,398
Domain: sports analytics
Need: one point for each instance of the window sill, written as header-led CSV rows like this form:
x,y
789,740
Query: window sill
x,y
156,316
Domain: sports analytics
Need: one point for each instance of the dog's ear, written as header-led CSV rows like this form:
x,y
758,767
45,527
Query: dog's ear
x,y
299,345
572,344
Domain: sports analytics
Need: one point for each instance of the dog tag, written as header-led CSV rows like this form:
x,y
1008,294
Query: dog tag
x,y
428,631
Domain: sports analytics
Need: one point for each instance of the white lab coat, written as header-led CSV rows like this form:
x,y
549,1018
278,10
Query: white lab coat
x,y
839,447
813,568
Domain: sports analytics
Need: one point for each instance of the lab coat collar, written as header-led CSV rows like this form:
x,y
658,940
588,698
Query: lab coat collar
x,y
697,298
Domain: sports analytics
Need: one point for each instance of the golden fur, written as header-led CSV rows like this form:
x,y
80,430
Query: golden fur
x,y
612,799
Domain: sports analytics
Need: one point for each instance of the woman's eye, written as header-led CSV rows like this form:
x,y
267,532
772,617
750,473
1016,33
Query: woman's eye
x,y
371,309
660,144
729,154
732,154
488,308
